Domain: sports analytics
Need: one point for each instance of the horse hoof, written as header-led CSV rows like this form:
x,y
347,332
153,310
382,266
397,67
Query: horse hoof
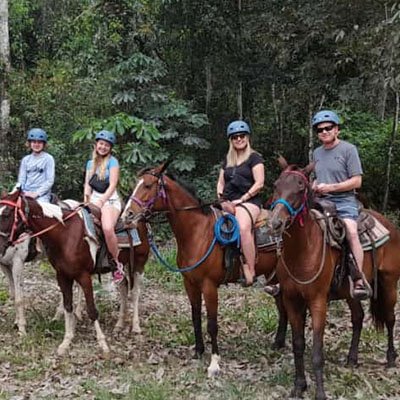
x,y
118,328
352,364
213,372
61,351
136,330
278,345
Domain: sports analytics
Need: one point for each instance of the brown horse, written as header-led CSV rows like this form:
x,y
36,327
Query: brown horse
x,y
306,268
193,227
72,255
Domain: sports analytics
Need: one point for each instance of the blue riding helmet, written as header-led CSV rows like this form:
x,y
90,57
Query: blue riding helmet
x,y
107,136
37,134
237,127
325,116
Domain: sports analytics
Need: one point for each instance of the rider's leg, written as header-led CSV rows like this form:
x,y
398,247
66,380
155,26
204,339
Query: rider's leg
x,y
109,217
355,245
247,238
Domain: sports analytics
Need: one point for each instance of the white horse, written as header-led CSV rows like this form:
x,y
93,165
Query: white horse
x,y
12,264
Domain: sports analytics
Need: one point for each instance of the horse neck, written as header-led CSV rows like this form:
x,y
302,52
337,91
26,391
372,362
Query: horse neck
x,y
303,235
187,225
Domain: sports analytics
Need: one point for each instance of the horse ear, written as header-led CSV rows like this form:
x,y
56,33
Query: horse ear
x,y
282,162
165,165
309,168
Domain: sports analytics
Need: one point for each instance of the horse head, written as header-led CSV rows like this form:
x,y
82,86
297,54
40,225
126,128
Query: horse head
x,y
148,195
12,218
291,191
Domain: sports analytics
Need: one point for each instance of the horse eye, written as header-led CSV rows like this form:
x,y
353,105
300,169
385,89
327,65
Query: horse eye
x,y
148,185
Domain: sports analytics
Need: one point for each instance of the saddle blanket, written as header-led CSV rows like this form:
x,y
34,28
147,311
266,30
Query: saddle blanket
x,y
122,236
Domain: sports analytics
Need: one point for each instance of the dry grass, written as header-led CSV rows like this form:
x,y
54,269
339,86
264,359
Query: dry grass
x,y
158,364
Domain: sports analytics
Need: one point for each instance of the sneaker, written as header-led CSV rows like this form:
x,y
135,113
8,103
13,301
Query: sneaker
x,y
118,274
273,290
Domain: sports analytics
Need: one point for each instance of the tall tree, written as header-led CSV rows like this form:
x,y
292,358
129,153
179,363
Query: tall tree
x,y
4,72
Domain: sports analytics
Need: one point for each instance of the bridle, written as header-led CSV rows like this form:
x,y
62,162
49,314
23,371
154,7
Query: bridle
x,y
295,212
19,215
161,193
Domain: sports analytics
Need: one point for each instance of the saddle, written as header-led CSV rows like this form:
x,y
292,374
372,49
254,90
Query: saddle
x,y
264,241
371,232
91,216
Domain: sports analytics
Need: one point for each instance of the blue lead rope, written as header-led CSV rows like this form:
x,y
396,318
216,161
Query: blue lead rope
x,y
222,234
227,235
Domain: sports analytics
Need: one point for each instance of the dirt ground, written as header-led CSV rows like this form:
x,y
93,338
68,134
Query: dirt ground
x,y
157,364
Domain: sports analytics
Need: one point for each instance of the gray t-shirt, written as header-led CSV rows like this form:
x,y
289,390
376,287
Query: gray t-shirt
x,y
337,164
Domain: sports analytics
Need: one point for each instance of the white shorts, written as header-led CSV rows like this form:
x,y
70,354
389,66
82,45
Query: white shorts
x,y
113,201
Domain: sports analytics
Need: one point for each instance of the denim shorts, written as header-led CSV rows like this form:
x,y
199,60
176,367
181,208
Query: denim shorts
x,y
346,206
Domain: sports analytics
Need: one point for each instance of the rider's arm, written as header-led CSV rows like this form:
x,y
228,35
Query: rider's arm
x,y
259,177
22,174
220,184
114,177
48,182
87,190
349,184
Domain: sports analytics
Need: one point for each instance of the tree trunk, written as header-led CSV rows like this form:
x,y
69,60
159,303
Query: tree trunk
x,y
208,86
4,71
310,135
240,85
390,152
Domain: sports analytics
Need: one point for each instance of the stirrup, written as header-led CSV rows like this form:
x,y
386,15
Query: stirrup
x,y
360,293
273,290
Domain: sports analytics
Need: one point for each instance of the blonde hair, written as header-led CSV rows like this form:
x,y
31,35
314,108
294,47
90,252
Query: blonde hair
x,y
100,163
232,156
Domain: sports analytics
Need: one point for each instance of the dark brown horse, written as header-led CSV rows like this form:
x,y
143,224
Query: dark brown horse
x,y
306,268
72,255
193,227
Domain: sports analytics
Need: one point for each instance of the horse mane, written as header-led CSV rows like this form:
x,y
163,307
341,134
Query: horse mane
x,y
190,189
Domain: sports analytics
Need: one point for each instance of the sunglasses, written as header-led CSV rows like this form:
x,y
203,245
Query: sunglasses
x,y
239,136
325,128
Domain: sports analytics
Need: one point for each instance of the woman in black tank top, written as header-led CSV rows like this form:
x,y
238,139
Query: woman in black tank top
x,y
240,181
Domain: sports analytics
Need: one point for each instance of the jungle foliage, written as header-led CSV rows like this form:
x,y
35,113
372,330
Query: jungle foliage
x,y
168,75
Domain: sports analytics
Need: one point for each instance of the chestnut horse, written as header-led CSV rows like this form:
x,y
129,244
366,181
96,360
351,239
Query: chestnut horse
x,y
72,255
193,227
306,268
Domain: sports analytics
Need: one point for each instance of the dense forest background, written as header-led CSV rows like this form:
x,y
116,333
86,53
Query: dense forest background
x,y
168,76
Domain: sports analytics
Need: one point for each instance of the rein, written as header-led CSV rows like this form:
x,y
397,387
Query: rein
x,y
294,213
19,213
320,268
169,266
49,228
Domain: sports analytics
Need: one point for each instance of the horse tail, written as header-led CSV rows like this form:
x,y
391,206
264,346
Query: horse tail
x,y
377,307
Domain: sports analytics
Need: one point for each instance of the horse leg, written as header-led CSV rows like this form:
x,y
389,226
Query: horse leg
x,y
388,293
79,304
357,317
280,336
123,305
17,270
210,293
318,316
137,285
65,285
296,311
7,271
194,294
85,280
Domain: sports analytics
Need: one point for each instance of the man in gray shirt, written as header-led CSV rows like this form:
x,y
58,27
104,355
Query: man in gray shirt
x,y
338,173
